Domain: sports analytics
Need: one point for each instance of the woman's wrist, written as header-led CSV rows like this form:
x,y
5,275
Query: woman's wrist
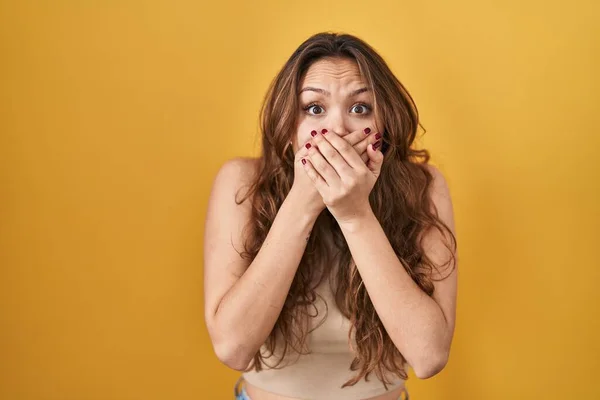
x,y
362,219
297,202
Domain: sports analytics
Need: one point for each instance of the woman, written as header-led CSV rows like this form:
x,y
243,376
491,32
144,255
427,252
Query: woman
x,y
330,259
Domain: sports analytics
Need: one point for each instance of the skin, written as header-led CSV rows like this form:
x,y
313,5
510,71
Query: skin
x,y
243,300
337,111
332,96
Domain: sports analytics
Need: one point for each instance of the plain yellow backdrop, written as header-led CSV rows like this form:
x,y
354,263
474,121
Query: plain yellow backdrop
x,y
116,115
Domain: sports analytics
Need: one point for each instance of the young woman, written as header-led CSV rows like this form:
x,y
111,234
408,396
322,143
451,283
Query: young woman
x,y
330,261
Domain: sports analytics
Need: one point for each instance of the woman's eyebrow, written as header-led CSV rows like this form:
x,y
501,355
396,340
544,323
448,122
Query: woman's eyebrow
x,y
326,93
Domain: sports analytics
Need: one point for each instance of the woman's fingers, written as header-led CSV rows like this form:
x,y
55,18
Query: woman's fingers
x,y
365,157
340,154
314,176
361,139
358,136
321,165
372,137
332,154
358,139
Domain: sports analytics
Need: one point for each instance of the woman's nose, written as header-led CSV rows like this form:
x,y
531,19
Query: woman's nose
x,y
339,124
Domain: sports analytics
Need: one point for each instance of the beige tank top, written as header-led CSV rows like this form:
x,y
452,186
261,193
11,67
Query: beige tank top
x,y
320,374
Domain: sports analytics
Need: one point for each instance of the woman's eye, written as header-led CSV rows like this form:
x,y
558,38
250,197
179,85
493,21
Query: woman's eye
x,y
316,109
361,109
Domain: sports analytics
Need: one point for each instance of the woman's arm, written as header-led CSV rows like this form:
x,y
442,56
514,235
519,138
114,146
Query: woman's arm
x,y
243,301
420,326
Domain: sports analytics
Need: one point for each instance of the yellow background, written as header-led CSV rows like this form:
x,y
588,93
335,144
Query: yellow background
x,y
115,116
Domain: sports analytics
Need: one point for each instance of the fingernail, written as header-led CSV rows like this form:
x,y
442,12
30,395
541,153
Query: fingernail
x,y
324,131
367,131
313,133
307,145
303,161
376,144
378,136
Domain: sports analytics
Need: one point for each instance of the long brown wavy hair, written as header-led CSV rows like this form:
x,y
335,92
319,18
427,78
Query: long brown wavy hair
x,y
400,200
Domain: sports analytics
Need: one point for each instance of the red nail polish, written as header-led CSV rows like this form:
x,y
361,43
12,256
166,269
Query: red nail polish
x,y
324,131
367,131
313,133
376,144
307,145
378,136
303,161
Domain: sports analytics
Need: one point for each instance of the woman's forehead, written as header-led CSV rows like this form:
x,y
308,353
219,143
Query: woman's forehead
x,y
339,71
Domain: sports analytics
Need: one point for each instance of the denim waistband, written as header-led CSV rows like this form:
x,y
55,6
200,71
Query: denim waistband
x,y
240,394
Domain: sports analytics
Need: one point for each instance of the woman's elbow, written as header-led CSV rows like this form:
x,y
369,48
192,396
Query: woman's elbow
x,y
232,357
227,348
230,352
431,366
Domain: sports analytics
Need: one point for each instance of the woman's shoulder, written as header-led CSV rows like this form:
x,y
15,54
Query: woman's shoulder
x,y
439,192
235,174
439,185
240,168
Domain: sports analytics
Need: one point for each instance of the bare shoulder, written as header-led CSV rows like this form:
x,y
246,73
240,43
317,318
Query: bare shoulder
x,y
233,176
440,196
227,214
439,185
239,170
244,166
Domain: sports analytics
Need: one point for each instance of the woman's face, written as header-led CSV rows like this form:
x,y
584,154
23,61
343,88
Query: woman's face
x,y
333,96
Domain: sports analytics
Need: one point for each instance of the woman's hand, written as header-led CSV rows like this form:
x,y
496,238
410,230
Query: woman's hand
x,y
340,176
304,187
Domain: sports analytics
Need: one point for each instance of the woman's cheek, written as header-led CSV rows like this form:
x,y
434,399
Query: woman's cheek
x,y
303,134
